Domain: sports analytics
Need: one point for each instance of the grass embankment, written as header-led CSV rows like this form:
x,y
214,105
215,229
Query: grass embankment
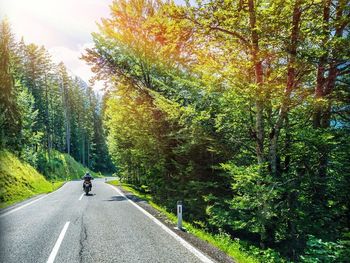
x,y
19,180
61,166
223,242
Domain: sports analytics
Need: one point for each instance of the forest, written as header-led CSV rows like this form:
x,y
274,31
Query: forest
x,y
45,108
240,109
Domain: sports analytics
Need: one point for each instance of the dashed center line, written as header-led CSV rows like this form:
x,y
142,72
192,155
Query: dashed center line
x,y
58,244
81,196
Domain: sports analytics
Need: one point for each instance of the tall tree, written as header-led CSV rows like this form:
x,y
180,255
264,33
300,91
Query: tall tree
x,y
9,114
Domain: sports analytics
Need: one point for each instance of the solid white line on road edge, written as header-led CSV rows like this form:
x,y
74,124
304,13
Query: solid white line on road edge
x,y
20,207
58,244
27,204
81,196
187,245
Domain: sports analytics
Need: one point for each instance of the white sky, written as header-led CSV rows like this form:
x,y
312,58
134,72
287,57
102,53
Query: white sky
x,y
63,26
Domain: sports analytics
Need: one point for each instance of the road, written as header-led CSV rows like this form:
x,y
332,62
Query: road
x,y
68,226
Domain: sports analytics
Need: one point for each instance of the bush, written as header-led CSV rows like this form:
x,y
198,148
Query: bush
x,y
318,250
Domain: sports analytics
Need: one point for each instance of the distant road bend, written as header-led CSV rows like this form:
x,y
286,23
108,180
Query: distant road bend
x,y
67,226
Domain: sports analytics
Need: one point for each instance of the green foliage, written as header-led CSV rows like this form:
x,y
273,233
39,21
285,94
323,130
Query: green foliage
x,y
28,138
223,241
43,108
19,180
60,166
9,115
238,108
318,250
254,198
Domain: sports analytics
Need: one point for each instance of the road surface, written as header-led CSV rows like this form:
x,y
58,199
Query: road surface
x,y
68,226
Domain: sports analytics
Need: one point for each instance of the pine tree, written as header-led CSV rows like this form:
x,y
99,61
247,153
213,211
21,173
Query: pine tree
x,y
9,115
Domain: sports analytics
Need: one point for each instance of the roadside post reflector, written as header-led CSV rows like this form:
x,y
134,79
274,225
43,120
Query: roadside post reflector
x,y
179,215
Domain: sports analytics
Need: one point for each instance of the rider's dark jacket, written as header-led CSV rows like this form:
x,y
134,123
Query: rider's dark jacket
x,y
87,177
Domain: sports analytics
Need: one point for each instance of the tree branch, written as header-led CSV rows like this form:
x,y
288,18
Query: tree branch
x,y
232,33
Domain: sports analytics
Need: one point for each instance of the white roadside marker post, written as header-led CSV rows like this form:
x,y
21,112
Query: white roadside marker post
x,y
179,215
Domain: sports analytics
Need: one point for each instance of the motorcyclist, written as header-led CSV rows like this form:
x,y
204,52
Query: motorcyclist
x,y
87,178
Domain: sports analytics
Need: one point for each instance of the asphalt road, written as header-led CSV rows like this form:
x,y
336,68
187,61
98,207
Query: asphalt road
x,y
68,226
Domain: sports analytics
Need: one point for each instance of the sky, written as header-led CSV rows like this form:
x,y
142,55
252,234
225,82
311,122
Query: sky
x,y
64,27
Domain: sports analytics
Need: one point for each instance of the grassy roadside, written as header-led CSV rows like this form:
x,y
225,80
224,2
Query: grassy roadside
x,y
223,242
17,199
19,180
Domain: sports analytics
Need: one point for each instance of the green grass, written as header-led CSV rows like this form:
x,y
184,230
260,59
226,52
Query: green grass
x,y
19,180
62,166
224,242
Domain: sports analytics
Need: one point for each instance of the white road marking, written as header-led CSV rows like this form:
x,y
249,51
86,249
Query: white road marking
x,y
58,244
81,196
187,245
18,208
30,203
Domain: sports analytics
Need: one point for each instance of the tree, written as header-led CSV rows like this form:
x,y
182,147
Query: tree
x,y
28,138
9,115
215,104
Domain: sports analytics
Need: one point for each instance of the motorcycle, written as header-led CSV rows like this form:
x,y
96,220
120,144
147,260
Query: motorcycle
x,y
87,187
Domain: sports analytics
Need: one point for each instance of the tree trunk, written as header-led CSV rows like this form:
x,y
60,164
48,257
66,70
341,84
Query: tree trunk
x,y
83,149
326,82
258,70
321,70
47,119
66,115
287,145
292,49
88,153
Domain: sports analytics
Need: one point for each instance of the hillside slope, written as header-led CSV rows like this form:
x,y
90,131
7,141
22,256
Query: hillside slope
x,y
61,166
19,180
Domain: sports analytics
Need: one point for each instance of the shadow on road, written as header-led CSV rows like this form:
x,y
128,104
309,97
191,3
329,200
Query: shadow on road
x,y
122,198
90,194
135,198
116,198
